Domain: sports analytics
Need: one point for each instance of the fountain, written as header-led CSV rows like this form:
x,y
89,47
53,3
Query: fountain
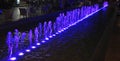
x,y
58,23
36,33
22,40
40,31
45,31
49,28
30,35
9,43
16,40
23,36
54,27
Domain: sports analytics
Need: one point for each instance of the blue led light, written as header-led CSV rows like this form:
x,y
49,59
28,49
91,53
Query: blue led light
x,y
33,47
46,38
54,35
38,44
50,36
21,54
27,50
43,41
74,24
13,58
70,25
57,33
64,28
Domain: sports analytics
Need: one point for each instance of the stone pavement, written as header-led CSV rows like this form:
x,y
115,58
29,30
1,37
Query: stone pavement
x,y
113,49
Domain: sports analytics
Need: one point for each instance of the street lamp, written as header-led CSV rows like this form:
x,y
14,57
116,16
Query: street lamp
x,y
18,1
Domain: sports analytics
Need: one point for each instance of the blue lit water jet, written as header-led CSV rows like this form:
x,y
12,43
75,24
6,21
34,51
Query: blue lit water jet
x,y
16,40
36,33
10,43
23,36
30,35
40,31
45,29
54,27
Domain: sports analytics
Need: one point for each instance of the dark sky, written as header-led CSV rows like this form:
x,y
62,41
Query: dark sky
x,y
6,4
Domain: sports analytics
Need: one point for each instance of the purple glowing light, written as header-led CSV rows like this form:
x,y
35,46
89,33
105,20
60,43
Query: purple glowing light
x,y
74,24
70,25
46,38
27,50
57,33
33,47
38,43
64,28
105,4
13,58
54,35
50,36
43,41
21,54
